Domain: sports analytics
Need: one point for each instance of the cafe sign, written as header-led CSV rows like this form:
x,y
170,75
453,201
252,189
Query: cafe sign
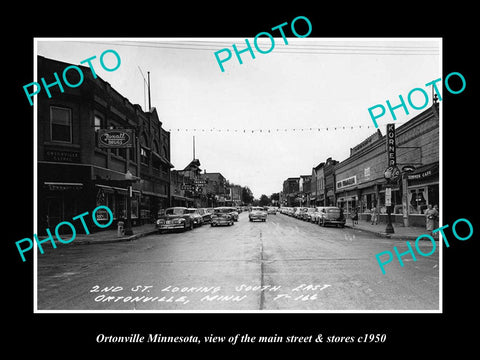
x,y
115,138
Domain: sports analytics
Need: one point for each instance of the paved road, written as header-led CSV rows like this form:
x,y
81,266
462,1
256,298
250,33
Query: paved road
x,y
282,264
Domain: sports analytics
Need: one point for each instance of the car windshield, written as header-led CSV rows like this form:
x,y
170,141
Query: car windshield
x,y
333,210
175,211
257,209
223,210
191,211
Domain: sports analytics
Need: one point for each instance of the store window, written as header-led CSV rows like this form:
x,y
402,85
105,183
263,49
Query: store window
x,y
61,124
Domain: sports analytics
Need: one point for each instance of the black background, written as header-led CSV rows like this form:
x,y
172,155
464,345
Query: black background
x,y
411,334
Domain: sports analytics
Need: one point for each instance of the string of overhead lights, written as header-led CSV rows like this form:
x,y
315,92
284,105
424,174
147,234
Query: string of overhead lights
x,y
273,130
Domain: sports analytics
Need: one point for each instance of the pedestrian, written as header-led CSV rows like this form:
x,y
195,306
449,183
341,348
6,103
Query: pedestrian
x,y
431,216
374,217
354,216
435,221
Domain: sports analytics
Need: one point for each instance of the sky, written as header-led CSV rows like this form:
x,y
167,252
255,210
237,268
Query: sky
x,y
273,117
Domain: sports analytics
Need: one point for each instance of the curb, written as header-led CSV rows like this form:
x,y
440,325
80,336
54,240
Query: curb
x,y
87,241
383,234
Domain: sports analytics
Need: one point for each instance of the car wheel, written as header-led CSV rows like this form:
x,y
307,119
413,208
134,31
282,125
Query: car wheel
x,y
191,225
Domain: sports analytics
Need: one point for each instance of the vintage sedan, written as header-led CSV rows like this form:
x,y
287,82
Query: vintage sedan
x,y
271,210
257,213
221,216
229,210
196,217
174,218
331,215
206,215
307,215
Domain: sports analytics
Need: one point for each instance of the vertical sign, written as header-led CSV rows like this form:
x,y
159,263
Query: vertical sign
x,y
391,146
388,196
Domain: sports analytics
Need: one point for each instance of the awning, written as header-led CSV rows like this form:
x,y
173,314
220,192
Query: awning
x,y
424,172
114,188
63,186
149,193
162,159
178,197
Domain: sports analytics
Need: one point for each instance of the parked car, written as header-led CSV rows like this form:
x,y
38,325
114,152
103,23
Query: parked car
x,y
299,212
174,218
307,215
206,215
316,215
257,213
196,217
221,216
230,210
331,215
272,210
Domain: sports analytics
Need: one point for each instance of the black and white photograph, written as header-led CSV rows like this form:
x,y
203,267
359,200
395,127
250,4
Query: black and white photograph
x,y
231,175
231,180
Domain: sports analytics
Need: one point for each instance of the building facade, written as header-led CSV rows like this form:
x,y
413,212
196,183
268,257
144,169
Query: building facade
x,y
317,185
291,192
304,189
77,172
360,181
329,176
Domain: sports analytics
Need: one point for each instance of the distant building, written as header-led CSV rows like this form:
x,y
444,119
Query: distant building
x,y
216,190
291,192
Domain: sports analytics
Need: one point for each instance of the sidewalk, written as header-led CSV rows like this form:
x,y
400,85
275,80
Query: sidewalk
x,y
400,232
109,236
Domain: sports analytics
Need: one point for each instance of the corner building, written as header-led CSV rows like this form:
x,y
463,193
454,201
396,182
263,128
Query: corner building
x,y
75,175
360,182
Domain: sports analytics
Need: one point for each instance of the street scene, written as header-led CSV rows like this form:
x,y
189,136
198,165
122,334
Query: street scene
x,y
283,263
264,186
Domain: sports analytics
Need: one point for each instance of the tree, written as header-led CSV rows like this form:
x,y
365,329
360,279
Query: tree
x,y
275,198
247,195
264,200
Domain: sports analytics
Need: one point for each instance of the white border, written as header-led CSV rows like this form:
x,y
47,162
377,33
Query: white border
x,y
35,181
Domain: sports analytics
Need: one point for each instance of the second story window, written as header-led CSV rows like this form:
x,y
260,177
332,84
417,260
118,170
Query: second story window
x,y
61,124
97,123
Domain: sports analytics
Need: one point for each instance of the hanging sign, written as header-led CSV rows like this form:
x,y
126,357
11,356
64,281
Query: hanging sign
x,y
391,146
115,138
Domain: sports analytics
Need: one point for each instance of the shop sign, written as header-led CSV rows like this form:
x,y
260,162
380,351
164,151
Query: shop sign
x,y
115,138
391,146
388,196
421,175
62,156
352,180
102,215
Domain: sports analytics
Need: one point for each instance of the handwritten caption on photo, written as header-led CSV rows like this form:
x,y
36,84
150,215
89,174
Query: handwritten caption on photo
x,y
183,295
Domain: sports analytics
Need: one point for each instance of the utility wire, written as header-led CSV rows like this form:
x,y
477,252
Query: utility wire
x,y
292,48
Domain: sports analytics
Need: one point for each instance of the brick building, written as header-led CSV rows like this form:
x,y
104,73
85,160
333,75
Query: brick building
x,y
360,181
291,191
76,173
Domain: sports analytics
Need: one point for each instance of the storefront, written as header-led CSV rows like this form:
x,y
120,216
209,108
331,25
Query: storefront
x,y
423,188
116,200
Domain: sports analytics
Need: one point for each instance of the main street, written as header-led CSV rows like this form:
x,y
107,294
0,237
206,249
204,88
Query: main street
x,y
281,264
